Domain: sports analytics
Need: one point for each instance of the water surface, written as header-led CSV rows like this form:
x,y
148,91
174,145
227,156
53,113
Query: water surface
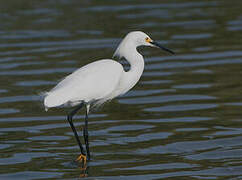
x,y
181,121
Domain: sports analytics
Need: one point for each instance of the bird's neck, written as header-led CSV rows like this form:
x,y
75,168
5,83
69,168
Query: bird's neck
x,y
132,76
136,62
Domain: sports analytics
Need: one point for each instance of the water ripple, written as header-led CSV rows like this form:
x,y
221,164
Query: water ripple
x,y
185,107
8,111
181,121
165,99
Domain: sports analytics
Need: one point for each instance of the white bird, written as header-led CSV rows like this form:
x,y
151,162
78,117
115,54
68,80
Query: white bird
x,y
100,81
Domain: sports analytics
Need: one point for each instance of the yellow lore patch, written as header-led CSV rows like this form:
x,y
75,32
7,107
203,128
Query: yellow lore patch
x,y
148,40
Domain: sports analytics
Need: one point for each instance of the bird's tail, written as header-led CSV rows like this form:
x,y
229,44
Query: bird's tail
x,y
53,99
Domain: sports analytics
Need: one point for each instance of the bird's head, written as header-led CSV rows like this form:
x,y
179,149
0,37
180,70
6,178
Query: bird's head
x,y
136,39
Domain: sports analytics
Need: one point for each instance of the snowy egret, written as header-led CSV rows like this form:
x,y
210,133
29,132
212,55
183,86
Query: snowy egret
x,y
100,81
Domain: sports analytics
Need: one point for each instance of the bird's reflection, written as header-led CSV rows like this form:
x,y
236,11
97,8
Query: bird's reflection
x,y
83,170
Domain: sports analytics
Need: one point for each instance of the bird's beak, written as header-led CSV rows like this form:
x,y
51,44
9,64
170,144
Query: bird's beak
x,y
161,47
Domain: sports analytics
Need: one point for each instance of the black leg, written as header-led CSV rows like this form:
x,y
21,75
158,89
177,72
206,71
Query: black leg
x,y
69,118
85,134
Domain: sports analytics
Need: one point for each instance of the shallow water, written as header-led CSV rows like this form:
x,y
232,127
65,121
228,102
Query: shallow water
x,y
181,121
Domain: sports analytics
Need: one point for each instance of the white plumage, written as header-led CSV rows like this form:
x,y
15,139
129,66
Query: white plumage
x,y
102,80
95,81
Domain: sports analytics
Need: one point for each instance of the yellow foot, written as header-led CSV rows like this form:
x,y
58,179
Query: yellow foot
x,y
83,175
82,159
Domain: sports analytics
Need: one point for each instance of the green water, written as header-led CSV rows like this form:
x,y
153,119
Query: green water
x,y
181,121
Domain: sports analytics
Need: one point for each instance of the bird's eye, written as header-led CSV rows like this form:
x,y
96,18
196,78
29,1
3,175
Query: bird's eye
x,y
147,39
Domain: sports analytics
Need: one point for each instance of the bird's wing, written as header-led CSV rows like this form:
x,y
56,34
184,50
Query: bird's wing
x,y
94,81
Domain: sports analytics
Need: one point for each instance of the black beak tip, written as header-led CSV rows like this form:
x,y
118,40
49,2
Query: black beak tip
x,y
161,47
172,52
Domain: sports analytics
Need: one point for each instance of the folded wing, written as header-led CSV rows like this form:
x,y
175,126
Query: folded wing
x,y
95,81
